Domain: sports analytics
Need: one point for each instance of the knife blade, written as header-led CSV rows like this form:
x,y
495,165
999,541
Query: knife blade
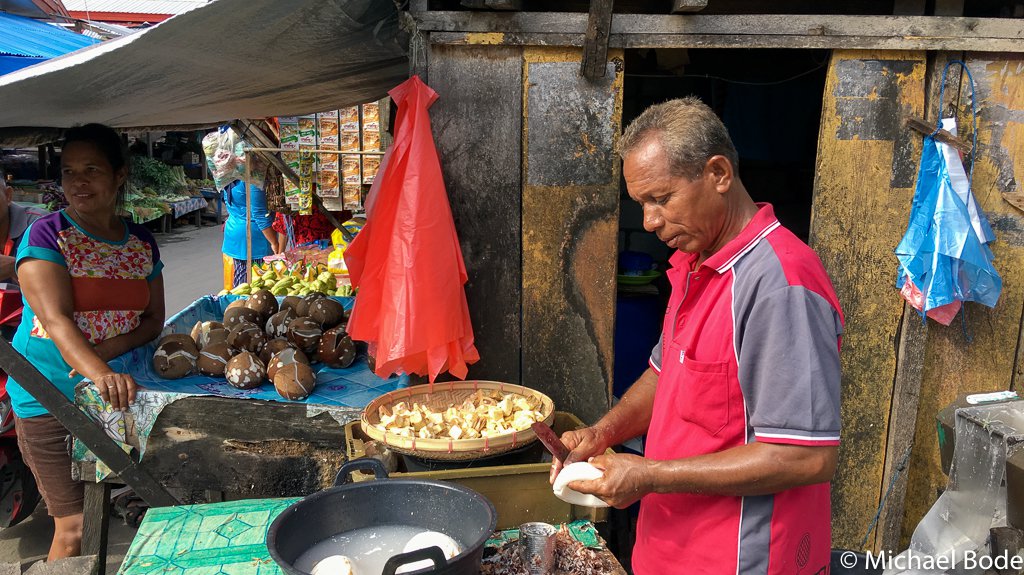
x,y
551,442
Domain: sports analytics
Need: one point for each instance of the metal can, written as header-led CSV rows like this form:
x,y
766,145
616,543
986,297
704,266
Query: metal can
x,y
537,544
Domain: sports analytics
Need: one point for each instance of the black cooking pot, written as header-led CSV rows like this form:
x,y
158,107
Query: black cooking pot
x,y
458,512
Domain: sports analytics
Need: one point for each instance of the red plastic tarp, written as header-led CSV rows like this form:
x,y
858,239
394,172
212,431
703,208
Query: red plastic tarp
x,y
411,305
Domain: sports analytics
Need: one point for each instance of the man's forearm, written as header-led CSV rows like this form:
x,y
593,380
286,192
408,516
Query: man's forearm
x,y
751,469
632,415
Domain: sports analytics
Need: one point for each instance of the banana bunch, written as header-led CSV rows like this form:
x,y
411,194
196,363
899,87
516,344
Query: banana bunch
x,y
300,280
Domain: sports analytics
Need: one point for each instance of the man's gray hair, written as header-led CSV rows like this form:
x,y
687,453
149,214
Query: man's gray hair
x,y
689,132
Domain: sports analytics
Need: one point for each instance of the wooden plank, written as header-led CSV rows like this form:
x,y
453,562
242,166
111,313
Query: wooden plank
x,y
912,341
83,428
909,28
96,511
641,40
493,4
862,196
595,46
992,361
247,448
681,6
570,225
477,123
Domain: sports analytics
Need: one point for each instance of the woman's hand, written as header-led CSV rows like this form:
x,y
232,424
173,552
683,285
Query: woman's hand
x,y
117,389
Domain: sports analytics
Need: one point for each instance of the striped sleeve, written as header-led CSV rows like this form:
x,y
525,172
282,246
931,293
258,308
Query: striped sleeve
x,y
789,368
655,360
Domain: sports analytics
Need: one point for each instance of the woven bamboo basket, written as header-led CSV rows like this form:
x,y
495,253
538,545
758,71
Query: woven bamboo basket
x,y
440,396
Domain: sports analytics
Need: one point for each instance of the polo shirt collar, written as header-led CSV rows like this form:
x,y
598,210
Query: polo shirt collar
x,y
762,224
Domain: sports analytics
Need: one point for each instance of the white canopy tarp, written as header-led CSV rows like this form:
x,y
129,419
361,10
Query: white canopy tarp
x,y
220,61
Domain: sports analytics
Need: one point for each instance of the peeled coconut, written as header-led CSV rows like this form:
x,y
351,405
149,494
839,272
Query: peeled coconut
x,y
273,347
213,359
175,359
291,302
282,358
277,325
336,348
423,540
294,381
327,312
245,371
247,336
579,471
201,332
305,334
236,315
263,302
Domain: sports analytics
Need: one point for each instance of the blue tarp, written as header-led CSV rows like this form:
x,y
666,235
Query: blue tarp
x,y
24,41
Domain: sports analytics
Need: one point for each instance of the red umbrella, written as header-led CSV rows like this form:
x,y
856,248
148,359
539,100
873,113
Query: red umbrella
x,y
411,306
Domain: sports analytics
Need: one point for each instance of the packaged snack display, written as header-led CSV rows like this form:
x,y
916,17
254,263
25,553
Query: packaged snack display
x,y
350,169
370,166
371,116
352,197
349,118
307,131
289,132
327,130
371,141
349,141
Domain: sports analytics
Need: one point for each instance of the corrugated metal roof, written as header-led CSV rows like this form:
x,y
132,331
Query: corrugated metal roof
x,y
20,36
133,6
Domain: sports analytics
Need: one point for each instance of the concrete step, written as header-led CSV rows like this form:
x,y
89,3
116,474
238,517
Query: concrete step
x,y
86,565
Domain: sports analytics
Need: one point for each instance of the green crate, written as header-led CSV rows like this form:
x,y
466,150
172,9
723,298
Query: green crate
x,y
520,493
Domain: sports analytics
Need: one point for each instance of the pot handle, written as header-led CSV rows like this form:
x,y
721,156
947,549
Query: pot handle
x,y
432,553
345,473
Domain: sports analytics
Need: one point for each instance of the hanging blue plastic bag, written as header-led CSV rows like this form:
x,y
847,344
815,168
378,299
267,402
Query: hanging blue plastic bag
x,y
944,255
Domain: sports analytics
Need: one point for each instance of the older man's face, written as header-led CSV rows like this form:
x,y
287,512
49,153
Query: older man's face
x,y
687,215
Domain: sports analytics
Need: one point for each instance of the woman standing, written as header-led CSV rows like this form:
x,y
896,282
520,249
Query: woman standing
x,y
93,291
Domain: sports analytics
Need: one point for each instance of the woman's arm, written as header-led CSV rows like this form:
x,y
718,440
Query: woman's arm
x,y
47,289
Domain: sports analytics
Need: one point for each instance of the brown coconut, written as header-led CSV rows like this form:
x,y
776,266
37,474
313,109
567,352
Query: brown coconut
x,y
277,325
237,303
273,347
214,358
218,335
302,308
236,315
294,381
245,371
326,312
336,348
247,337
175,359
291,302
305,334
184,339
263,302
283,358
201,332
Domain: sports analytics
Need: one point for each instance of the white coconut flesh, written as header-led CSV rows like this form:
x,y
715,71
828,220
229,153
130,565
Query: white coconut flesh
x,y
579,471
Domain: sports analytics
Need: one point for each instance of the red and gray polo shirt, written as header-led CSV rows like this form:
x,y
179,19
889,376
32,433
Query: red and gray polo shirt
x,y
749,352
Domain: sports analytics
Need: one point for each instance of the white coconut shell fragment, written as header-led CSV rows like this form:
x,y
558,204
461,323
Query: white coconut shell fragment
x,y
579,471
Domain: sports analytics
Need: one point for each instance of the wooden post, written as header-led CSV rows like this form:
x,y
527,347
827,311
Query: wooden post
x,y
83,428
96,510
681,6
595,47
248,219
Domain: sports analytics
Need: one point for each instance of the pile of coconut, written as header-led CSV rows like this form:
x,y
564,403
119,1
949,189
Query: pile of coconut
x,y
261,340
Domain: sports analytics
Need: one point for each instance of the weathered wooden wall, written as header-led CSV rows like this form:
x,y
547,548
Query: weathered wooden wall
x,y
952,366
865,177
570,227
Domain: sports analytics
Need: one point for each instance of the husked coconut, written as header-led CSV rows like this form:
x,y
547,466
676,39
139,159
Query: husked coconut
x,y
201,332
326,312
282,358
273,347
185,340
277,325
237,303
217,335
305,334
236,315
294,381
263,302
213,359
245,371
291,302
175,359
336,348
303,307
247,336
